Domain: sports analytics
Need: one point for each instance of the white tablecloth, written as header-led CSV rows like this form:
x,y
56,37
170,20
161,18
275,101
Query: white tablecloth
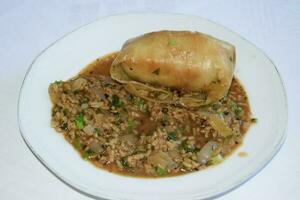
x,y
28,26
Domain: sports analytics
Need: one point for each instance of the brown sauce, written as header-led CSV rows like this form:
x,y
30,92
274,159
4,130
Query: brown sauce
x,y
100,66
242,154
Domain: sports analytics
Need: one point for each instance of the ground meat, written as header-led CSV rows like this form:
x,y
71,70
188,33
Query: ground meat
x,y
126,134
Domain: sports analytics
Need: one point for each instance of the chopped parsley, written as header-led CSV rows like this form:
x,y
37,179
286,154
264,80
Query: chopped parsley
x,y
99,110
236,109
79,121
57,82
140,104
115,101
160,171
76,92
181,129
184,146
87,154
157,71
84,100
172,42
65,111
109,85
64,126
97,131
215,159
165,110
164,120
254,120
132,124
124,162
172,136
77,145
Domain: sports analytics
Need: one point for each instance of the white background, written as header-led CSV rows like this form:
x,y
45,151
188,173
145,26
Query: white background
x,y
28,26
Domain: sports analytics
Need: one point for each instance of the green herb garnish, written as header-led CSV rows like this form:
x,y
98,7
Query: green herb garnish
x,y
76,92
79,121
99,110
87,154
109,85
57,82
164,120
130,98
156,71
181,129
160,171
84,100
187,148
53,113
77,145
140,104
172,136
132,124
124,162
115,101
215,159
64,125
236,109
65,111
97,131
172,42
254,120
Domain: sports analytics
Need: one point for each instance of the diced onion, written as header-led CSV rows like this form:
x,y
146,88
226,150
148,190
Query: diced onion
x,y
219,125
216,159
207,151
142,90
129,139
162,159
79,84
96,146
88,129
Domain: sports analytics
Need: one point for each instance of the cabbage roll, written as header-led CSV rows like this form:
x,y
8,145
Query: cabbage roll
x,y
193,62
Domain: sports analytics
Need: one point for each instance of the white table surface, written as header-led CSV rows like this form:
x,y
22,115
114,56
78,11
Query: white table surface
x,y
28,26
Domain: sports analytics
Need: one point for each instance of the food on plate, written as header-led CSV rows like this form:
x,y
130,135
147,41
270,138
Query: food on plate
x,y
178,110
183,60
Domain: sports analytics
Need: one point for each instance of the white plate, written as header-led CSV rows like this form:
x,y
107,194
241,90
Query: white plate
x,y
67,56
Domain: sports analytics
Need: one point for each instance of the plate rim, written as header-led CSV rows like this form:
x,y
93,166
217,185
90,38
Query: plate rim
x,y
214,193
